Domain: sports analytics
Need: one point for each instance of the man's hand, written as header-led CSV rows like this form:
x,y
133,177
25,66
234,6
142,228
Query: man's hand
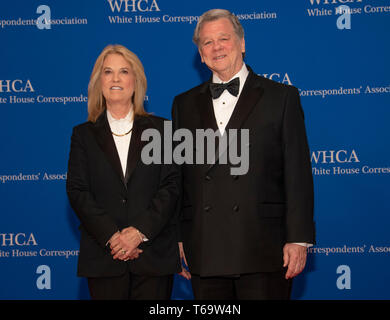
x,y
124,245
184,273
294,256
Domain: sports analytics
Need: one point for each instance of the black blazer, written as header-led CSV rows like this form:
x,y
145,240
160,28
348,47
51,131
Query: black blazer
x,y
239,224
107,201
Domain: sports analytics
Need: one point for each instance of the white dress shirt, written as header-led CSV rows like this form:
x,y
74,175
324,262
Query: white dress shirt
x,y
224,105
121,126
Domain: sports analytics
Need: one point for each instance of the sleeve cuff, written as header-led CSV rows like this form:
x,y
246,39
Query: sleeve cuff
x,y
304,244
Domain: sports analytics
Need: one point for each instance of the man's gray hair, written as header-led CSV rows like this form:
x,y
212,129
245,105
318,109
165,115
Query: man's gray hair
x,y
215,14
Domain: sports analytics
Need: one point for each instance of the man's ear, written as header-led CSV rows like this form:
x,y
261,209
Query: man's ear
x,y
201,56
243,45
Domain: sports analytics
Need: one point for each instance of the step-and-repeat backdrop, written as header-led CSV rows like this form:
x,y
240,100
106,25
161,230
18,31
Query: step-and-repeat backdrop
x,y
337,56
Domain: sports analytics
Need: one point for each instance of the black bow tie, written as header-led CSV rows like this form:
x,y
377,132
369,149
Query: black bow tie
x,y
232,86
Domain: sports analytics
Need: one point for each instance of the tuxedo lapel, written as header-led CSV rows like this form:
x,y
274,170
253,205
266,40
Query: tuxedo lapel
x,y
249,97
208,119
106,142
206,108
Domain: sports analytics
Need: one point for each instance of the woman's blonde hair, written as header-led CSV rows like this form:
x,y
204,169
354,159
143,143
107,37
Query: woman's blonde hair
x,y
96,100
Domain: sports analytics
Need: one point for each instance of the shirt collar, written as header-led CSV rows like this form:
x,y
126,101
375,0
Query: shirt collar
x,y
128,118
242,75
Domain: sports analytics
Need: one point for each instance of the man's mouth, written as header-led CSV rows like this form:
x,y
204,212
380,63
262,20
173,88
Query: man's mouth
x,y
220,57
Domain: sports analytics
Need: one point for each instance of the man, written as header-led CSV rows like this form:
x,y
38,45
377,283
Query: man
x,y
244,236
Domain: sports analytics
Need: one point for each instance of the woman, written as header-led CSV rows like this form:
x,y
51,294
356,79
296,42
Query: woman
x,y
128,247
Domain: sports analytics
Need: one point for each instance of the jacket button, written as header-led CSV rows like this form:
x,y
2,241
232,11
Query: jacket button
x,y
235,177
207,208
208,178
124,200
236,208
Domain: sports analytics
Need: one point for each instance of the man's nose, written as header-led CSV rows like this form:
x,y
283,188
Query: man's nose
x,y
217,46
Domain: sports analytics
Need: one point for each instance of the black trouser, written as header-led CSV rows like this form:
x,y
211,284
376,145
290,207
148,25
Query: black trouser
x,y
131,287
254,286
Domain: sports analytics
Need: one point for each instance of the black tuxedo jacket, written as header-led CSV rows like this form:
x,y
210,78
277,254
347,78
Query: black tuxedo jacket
x,y
106,201
236,224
